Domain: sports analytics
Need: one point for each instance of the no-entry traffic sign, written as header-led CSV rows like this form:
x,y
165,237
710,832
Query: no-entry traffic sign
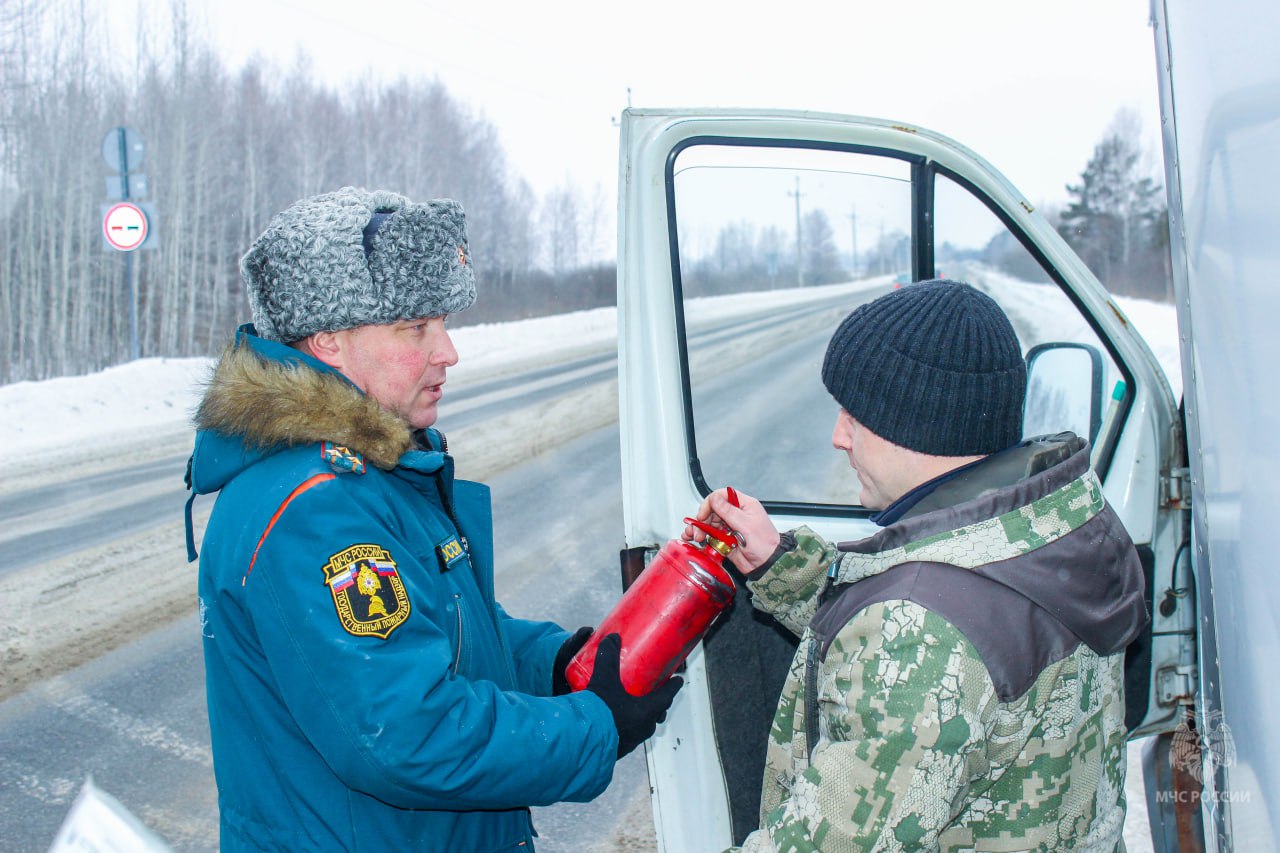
x,y
124,226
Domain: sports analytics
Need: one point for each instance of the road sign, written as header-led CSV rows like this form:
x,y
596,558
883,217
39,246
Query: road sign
x,y
124,226
122,159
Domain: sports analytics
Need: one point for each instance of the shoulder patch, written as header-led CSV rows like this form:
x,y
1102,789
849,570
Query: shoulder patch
x,y
367,591
341,458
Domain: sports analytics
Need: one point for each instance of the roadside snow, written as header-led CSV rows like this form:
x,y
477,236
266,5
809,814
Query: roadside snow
x,y
156,396
152,396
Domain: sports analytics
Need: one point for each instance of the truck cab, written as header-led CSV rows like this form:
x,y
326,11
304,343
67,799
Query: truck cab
x,y
744,238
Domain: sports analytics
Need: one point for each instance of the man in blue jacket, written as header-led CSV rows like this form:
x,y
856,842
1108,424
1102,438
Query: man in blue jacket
x,y
365,689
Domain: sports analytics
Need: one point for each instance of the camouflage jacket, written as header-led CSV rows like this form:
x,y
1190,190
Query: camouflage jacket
x,y
959,674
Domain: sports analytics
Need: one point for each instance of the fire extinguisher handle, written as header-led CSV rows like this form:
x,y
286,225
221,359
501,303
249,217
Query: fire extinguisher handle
x,y
715,532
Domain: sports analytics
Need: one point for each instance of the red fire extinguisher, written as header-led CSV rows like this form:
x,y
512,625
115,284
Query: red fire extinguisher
x,y
665,612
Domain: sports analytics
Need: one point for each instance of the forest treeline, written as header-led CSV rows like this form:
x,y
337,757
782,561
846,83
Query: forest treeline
x,y
1116,219
227,148
224,151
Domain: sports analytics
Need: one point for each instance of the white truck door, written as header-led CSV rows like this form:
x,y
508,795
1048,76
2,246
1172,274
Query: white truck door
x,y
744,238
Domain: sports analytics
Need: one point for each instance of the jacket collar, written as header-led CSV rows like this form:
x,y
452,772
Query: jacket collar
x,y
1034,520
899,508
265,396
1000,483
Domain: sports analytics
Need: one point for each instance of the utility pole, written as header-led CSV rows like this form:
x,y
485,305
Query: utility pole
x,y
883,249
799,251
131,282
853,227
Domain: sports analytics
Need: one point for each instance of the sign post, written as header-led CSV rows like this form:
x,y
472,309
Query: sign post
x,y
125,224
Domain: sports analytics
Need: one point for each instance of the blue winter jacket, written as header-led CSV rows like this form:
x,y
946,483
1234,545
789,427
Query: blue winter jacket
x,y
365,690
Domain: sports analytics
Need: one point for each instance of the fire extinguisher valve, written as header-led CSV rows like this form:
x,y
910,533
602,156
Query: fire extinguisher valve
x,y
721,541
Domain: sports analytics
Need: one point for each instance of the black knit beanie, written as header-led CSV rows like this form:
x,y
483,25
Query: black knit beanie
x,y
934,367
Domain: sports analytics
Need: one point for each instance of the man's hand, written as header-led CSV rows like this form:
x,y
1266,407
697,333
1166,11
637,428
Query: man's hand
x,y
636,717
570,647
756,535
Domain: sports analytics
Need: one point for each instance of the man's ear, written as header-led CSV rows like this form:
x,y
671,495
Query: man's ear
x,y
327,347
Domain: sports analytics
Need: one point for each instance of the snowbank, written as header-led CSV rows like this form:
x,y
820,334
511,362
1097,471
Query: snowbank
x,y
154,395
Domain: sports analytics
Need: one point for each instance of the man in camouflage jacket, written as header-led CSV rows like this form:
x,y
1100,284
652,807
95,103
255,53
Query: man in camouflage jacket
x,y
959,680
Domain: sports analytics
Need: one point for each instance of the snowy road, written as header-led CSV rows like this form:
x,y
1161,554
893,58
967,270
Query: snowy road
x,y
133,714
55,519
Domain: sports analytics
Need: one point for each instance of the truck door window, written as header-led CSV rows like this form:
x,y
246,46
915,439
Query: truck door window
x,y
973,244
775,246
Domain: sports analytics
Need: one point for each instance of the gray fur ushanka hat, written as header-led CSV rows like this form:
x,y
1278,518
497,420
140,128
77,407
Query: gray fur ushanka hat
x,y
351,258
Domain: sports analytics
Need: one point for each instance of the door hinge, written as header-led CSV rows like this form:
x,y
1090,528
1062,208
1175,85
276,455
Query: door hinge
x,y
1176,684
1175,489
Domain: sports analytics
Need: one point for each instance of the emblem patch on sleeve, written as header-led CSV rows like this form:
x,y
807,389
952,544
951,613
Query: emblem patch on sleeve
x,y
367,591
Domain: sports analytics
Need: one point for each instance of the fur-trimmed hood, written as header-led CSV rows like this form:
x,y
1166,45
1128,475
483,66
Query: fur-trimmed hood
x,y
264,397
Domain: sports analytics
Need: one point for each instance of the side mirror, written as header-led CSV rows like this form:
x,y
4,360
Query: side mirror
x,y
1064,390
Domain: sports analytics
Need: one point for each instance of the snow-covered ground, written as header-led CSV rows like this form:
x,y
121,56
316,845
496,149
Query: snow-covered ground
x,y
153,394
153,397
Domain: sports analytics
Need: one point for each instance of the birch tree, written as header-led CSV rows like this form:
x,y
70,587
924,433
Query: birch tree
x,y
227,149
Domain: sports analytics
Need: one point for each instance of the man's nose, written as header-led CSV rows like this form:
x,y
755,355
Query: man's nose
x,y
445,352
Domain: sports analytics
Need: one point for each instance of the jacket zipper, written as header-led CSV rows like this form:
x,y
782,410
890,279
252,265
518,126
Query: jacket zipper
x,y
811,728
811,698
492,604
457,606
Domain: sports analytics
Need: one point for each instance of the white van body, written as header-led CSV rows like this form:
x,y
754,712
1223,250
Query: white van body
x,y
1219,74
701,331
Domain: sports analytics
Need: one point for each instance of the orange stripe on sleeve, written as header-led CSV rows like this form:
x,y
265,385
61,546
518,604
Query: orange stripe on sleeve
x,y
306,484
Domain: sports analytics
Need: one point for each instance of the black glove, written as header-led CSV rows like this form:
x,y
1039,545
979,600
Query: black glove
x,y
559,680
636,717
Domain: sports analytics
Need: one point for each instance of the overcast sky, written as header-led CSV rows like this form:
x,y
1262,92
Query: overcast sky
x,y
1031,85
